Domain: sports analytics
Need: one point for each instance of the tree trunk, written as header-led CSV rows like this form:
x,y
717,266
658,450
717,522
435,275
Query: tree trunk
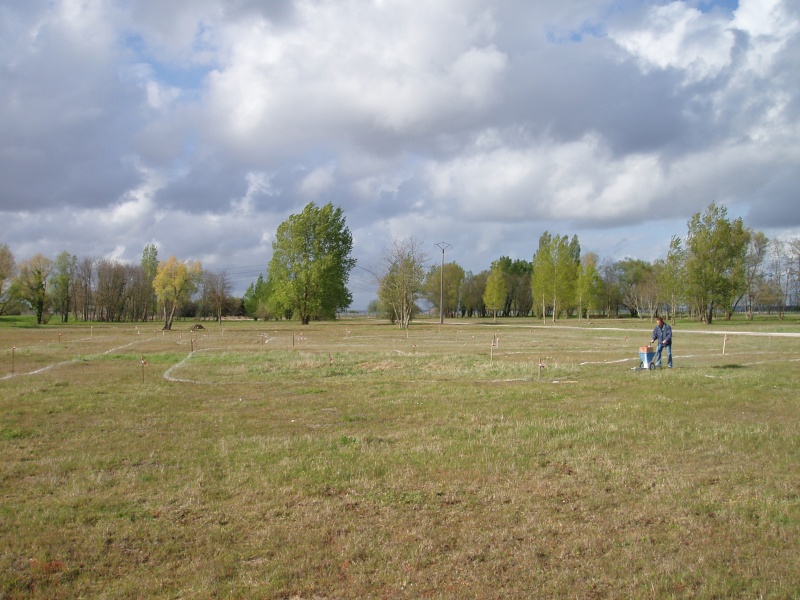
x,y
169,316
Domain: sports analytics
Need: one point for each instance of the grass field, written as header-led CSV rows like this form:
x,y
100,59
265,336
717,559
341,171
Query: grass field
x,y
355,460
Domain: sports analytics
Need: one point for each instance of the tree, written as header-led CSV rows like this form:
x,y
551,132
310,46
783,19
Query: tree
x,y
255,299
517,274
779,273
84,288
174,284
111,290
448,286
217,290
638,281
471,292
716,249
32,282
671,279
555,273
612,291
496,291
311,263
62,286
754,272
400,280
149,265
8,269
589,286
794,270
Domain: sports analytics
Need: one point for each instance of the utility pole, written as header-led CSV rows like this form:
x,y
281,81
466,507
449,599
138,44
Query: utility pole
x,y
444,246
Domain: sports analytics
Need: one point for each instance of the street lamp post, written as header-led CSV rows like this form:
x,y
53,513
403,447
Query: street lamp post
x,y
444,246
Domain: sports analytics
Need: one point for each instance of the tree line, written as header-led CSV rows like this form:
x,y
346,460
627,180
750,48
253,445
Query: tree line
x,y
308,277
109,290
717,268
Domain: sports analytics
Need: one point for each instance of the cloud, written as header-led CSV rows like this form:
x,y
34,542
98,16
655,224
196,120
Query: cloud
x,y
203,124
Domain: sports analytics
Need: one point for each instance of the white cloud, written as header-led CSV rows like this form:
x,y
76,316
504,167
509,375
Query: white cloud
x,y
678,36
567,182
348,65
204,123
318,181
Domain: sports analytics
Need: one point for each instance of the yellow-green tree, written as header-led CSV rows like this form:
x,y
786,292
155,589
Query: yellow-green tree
x,y
588,288
496,290
174,284
555,274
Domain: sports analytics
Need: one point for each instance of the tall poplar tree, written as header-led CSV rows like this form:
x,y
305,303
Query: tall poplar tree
x,y
496,291
555,274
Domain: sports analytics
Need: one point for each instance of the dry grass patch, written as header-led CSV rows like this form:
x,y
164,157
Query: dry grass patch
x,y
261,469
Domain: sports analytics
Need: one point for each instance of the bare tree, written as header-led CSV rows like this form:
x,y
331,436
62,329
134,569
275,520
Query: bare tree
x,y
400,279
83,301
216,291
112,290
8,269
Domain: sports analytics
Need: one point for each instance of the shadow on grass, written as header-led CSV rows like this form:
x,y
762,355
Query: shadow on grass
x,y
729,367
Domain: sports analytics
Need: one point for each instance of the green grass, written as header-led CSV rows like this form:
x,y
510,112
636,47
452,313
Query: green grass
x,y
351,459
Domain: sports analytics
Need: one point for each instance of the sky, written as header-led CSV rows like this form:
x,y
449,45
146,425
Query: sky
x,y
201,125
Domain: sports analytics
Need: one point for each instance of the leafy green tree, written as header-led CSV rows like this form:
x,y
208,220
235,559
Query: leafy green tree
x,y
517,274
672,277
589,286
471,293
8,269
448,286
62,287
174,284
555,274
255,299
612,289
496,290
543,276
715,257
311,263
401,279
32,281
